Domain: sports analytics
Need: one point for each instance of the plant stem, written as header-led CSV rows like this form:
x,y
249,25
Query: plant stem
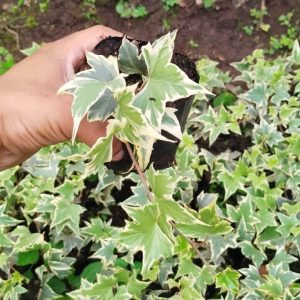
x,y
140,172
151,199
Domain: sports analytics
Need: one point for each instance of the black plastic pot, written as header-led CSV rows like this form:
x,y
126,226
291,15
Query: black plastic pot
x,y
163,153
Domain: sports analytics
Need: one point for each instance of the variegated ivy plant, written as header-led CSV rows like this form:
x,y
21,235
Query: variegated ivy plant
x,y
136,114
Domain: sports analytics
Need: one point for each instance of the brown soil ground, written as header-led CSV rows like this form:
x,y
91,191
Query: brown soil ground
x,y
218,32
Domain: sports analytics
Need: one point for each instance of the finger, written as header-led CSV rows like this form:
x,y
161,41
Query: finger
x,y
87,39
88,132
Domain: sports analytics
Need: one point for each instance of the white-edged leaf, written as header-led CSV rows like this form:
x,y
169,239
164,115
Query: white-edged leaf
x,y
296,53
30,50
170,123
144,234
164,81
88,86
136,129
130,61
103,108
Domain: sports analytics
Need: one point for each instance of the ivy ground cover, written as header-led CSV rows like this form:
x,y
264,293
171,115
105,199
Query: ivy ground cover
x,y
222,223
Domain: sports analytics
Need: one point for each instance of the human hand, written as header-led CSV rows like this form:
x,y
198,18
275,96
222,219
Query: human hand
x,y
32,115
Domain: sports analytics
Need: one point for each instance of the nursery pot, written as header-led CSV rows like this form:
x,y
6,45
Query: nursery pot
x,y
163,154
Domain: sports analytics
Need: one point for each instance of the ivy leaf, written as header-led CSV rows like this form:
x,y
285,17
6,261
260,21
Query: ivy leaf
x,y
27,258
6,220
102,151
66,215
91,270
139,197
258,94
266,133
58,263
250,251
231,183
228,280
170,123
164,81
130,62
103,108
162,183
272,287
29,51
202,275
106,252
27,240
135,286
104,287
97,230
88,86
218,123
5,241
219,244
288,223
144,234
210,224
296,53
12,289
136,127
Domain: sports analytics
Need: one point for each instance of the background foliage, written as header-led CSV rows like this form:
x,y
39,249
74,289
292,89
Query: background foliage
x,y
239,205
66,234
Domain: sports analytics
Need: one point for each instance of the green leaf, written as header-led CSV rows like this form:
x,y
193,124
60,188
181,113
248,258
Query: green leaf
x,y
164,81
29,51
144,234
296,53
88,86
97,230
130,62
5,241
217,122
66,215
136,127
162,183
258,94
231,183
106,252
139,197
256,255
202,275
59,265
219,244
210,224
226,99
104,287
100,153
228,280
27,258
170,123
57,285
266,133
135,286
91,270
6,220
103,108
27,240
272,287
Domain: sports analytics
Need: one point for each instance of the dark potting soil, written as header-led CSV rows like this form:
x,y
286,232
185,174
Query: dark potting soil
x,y
163,154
